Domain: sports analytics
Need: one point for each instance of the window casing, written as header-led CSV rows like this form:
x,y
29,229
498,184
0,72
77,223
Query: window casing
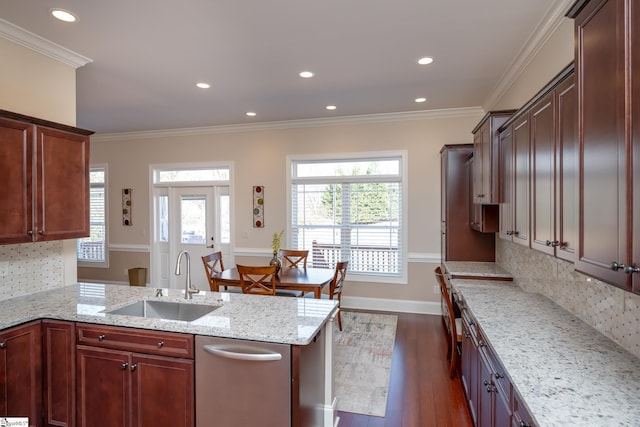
x,y
351,208
92,251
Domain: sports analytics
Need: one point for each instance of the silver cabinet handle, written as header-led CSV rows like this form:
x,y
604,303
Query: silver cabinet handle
x,y
3,345
124,365
241,355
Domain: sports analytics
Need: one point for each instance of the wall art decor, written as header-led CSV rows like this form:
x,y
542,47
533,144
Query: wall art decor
x,y
126,206
258,206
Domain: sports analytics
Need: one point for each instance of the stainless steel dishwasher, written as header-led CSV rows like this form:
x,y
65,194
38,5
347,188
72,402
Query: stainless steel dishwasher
x,y
242,383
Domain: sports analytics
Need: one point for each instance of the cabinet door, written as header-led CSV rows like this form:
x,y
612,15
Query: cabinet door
x,y
602,97
543,151
162,391
469,366
485,393
520,179
506,183
58,340
567,170
21,373
15,174
103,387
635,147
62,197
477,187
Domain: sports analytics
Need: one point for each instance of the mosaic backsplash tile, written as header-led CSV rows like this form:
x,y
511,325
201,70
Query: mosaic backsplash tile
x,y
610,310
30,267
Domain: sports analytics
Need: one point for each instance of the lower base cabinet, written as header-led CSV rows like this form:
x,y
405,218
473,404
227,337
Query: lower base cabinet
x,y
492,400
21,373
59,373
119,385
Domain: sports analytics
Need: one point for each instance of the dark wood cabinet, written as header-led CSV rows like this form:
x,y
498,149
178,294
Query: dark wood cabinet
x,y
469,364
607,63
119,385
45,170
59,368
485,153
514,165
21,373
459,242
554,168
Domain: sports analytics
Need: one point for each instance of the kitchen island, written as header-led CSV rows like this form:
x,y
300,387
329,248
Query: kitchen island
x,y
136,344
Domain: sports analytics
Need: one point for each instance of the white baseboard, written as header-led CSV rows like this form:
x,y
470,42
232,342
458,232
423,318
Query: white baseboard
x,y
381,304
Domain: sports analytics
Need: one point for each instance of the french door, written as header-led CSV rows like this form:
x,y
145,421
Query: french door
x,y
190,218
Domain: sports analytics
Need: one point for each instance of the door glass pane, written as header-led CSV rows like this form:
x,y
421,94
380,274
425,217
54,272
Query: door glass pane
x,y
163,218
225,227
193,219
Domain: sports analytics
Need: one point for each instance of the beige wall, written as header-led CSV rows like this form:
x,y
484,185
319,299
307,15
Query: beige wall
x,y
259,158
36,85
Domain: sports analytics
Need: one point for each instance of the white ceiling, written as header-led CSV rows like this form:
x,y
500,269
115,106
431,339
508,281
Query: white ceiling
x,y
147,56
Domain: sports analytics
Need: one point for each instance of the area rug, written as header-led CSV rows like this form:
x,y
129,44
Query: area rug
x,y
363,352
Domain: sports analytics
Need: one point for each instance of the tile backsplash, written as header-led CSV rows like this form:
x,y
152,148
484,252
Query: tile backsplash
x,y
30,267
608,309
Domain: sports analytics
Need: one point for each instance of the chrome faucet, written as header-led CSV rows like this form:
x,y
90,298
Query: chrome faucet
x,y
188,289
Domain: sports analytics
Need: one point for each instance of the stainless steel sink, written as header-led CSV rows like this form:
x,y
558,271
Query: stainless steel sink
x,y
165,310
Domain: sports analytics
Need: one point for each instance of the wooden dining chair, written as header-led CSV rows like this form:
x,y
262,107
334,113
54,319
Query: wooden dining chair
x,y
453,324
259,280
293,258
335,287
213,265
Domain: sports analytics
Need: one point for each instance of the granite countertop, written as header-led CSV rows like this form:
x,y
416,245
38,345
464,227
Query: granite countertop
x,y
566,371
252,317
476,269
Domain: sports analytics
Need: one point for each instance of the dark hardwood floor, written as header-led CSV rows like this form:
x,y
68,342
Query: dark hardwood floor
x,y
421,394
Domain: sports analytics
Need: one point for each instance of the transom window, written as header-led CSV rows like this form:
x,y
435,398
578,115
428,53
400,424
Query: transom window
x,y
350,209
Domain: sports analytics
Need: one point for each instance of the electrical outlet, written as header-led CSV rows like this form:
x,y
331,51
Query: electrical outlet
x,y
436,289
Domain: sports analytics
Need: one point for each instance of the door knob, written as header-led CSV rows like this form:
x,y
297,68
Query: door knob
x,y
630,270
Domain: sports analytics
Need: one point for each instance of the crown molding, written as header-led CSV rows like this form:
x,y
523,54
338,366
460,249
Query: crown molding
x,y
540,36
41,45
294,124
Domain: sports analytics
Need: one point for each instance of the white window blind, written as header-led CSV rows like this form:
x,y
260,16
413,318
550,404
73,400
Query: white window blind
x,y
93,249
349,210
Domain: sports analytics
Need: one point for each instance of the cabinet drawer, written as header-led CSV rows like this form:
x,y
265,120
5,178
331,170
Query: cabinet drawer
x,y
136,340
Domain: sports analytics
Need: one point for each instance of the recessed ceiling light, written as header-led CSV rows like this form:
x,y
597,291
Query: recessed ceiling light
x,y
331,107
426,60
306,74
251,114
421,99
203,85
64,15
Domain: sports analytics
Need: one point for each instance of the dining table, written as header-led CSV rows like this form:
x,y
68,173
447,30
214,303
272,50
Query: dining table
x,y
308,279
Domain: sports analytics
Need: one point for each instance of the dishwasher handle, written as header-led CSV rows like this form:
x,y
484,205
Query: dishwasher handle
x,y
236,355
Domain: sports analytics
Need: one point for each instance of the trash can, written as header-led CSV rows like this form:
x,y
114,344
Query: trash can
x,y
138,276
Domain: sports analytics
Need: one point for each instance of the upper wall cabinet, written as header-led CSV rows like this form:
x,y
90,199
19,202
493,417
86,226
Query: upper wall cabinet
x,y
514,172
44,168
554,170
485,157
538,170
608,63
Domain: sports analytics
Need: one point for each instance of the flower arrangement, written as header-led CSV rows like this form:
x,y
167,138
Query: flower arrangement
x,y
275,241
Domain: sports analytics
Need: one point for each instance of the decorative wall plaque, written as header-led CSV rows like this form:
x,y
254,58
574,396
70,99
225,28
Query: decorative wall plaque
x,y
258,206
126,206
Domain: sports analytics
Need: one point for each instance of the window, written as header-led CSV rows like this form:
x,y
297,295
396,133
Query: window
x,y
92,250
351,209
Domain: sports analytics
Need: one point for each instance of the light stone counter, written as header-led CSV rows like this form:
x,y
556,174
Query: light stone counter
x,y
567,373
259,318
476,269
